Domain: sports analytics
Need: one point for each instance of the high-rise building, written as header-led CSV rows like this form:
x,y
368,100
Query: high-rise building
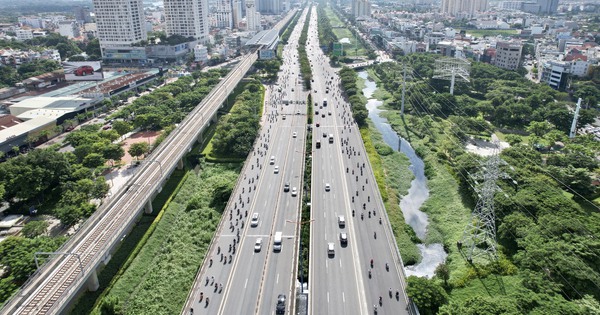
x,y
361,8
82,14
252,23
120,24
222,16
269,6
236,12
508,55
187,18
464,8
541,6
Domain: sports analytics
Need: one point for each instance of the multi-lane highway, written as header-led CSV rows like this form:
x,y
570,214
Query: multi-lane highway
x,y
350,276
238,277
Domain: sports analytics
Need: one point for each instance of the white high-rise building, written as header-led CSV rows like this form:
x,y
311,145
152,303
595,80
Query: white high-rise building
x,y
251,14
187,18
464,8
120,24
69,29
236,6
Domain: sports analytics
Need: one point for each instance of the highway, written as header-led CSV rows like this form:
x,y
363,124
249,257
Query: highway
x,y
343,282
236,278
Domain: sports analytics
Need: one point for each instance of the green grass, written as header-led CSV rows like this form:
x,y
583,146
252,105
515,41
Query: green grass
x,y
158,280
129,247
482,33
355,47
493,286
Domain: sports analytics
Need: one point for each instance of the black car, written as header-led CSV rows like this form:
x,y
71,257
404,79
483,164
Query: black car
x,y
280,308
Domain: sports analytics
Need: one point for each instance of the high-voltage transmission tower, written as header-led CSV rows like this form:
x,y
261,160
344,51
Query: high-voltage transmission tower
x,y
452,69
479,237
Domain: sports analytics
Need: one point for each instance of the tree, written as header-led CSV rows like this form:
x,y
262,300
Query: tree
x,y
442,271
68,214
138,149
121,127
427,294
35,228
539,128
93,160
111,306
113,152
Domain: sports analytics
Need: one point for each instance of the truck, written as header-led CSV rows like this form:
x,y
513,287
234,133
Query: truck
x,y
277,242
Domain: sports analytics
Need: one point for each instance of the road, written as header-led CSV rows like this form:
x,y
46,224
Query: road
x,y
235,278
340,283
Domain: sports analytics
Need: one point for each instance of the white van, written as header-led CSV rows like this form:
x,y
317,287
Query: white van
x,y
277,241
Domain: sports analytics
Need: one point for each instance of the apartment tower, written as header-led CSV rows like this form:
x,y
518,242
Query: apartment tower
x,y
187,18
120,24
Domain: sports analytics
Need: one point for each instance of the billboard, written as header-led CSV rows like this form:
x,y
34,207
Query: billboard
x,y
83,70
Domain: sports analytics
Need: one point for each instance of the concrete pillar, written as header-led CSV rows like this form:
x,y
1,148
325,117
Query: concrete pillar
x,y
148,207
214,118
180,164
92,282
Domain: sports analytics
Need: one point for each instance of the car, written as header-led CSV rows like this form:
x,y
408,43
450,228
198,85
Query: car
x,y
329,113
324,134
283,117
294,191
276,170
106,127
83,71
294,135
315,91
286,187
280,307
317,124
254,220
258,245
330,249
317,112
327,187
326,91
343,238
342,221
272,161
323,115
292,89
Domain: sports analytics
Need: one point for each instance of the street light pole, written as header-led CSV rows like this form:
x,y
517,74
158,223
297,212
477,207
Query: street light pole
x,y
159,166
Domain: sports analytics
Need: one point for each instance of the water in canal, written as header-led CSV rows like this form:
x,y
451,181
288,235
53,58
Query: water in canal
x,y
433,254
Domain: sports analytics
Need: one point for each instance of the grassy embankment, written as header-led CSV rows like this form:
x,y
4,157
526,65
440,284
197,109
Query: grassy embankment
x,y
391,170
354,48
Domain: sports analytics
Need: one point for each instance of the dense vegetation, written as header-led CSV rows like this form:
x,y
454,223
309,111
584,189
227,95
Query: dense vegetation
x,y
236,131
154,282
353,96
326,35
305,69
547,228
9,76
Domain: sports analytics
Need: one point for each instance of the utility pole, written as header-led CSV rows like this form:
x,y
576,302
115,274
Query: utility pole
x,y
403,89
573,132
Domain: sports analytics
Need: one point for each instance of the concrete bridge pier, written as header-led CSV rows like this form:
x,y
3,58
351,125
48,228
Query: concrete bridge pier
x,y
180,164
148,208
92,282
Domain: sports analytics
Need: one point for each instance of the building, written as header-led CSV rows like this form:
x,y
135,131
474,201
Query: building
x,y
200,53
512,5
270,7
82,14
508,55
554,73
464,8
222,15
69,29
187,18
24,34
252,22
120,25
541,7
236,13
361,8
34,22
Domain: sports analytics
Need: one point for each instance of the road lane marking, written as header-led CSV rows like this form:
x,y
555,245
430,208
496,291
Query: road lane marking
x,y
246,283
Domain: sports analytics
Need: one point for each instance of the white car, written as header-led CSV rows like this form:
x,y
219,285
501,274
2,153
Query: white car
x,y
254,220
258,245
294,135
294,192
276,170
327,187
